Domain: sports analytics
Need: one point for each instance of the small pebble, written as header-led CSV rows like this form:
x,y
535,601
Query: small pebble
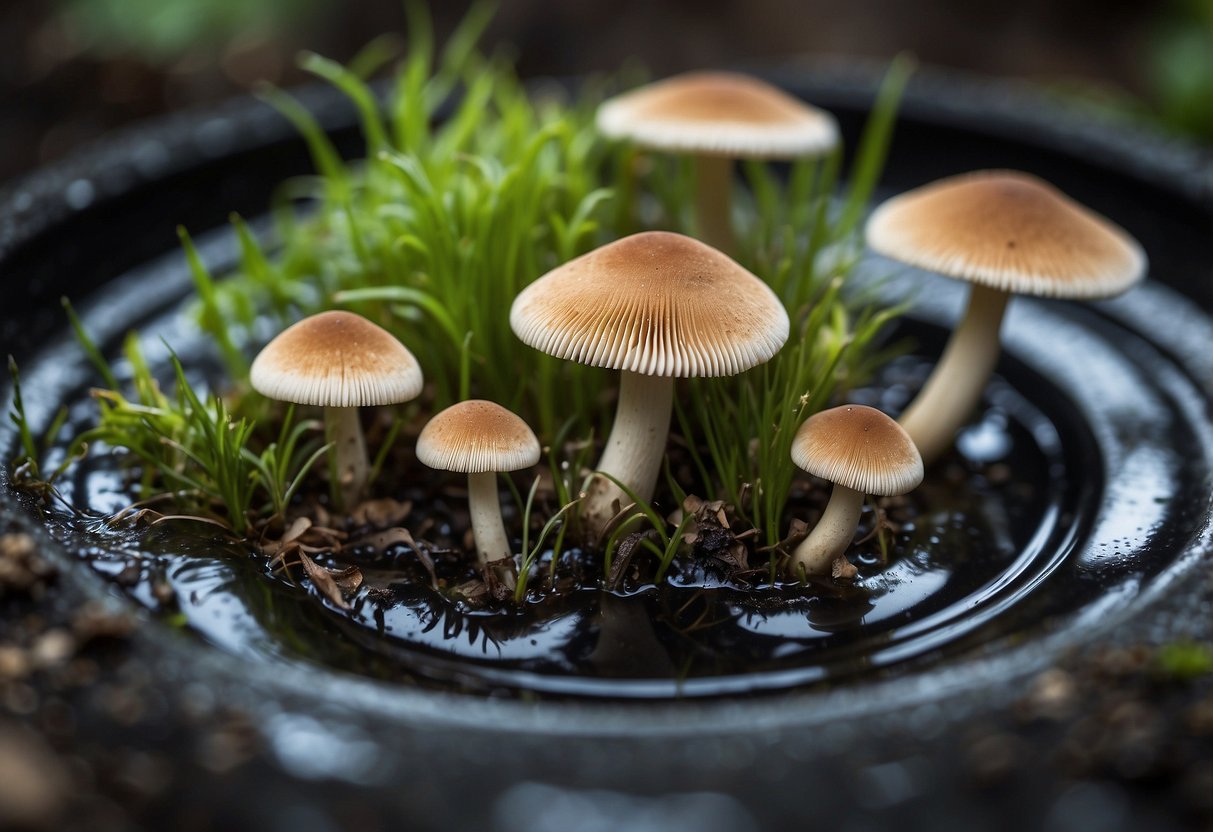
x,y
1051,696
53,648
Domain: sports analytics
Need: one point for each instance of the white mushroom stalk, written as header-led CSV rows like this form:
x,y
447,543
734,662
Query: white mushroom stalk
x,y
1004,232
714,201
636,447
351,468
488,529
861,451
955,385
832,535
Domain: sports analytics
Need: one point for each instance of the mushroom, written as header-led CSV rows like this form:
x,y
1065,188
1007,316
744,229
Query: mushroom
x,y
1004,232
717,117
656,306
861,451
339,361
480,439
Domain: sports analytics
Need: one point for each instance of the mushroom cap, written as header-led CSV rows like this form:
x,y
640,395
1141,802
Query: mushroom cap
x,y
719,114
477,436
858,447
336,359
655,303
1010,231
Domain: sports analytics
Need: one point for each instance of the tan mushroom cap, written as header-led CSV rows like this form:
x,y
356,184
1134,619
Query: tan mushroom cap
x,y
336,359
721,114
1010,231
476,436
657,304
858,447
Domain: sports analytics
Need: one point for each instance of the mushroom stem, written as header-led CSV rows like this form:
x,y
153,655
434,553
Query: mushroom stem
x,y
713,202
832,534
956,383
487,527
635,448
349,454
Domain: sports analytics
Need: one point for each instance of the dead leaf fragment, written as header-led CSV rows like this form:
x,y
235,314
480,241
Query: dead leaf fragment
x,y
348,579
324,581
627,548
842,569
382,513
710,533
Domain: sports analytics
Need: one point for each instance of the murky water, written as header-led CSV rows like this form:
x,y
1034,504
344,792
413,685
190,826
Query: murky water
x,y
1069,493
979,533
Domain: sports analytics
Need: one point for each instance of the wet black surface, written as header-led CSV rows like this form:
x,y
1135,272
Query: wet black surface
x,y
1064,500
1004,512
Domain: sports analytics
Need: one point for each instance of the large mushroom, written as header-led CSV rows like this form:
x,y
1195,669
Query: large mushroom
x,y
1005,233
338,361
655,306
861,451
717,117
480,439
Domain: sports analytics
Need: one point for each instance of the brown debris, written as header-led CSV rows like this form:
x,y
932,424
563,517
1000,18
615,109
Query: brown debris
x,y
381,513
327,581
711,534
475,591
301,538
348,580
842,569
499,579
624,552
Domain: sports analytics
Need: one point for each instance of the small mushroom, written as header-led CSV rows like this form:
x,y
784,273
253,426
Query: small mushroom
x,y
861,451
338,361
1006,233
655,306
717,117
480,439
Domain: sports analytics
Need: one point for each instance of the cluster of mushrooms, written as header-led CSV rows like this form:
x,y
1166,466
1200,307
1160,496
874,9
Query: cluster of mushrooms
x,y
657,306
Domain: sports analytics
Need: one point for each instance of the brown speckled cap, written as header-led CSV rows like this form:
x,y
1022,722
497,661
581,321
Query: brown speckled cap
x,y
719,113
477,436
858,447
655,303
1010,231
336,359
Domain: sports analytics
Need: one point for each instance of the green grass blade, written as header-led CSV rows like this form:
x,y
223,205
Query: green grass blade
x,y
89,345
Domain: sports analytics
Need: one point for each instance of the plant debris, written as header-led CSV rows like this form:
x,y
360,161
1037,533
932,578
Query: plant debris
x,y
332,584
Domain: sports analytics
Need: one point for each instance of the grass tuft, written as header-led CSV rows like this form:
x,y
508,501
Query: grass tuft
x,y
474,185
